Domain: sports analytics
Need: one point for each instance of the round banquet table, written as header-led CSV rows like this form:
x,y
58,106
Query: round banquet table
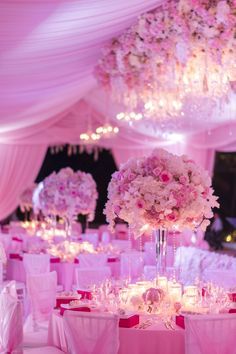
x,y
155,339
65,270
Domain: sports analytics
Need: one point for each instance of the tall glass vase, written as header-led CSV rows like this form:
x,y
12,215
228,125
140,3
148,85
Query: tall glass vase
x,y
68,228
160,236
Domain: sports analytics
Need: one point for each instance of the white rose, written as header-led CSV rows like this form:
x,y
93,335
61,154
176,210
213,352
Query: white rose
x,y
134,61
222,12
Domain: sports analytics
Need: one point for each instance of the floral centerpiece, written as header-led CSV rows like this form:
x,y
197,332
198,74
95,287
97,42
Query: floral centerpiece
x,y
26,203
179,48
67,194
161,190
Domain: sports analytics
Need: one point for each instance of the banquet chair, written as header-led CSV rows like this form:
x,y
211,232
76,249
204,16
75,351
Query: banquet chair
x,y
86,277
210,334
11,325
103,229
42,293
122,245
225,278
149,272
92,260
91,333
91,237
6,242
36,263
149,253
105,238
11,321
3,256
1,273
131,265
121,231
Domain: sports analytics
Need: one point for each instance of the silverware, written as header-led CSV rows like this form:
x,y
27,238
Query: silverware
x,y
143,325
169,325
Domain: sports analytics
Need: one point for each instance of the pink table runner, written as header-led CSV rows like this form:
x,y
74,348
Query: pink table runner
x,y
155,339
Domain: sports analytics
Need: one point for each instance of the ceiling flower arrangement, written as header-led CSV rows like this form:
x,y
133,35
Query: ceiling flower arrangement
x,y
180,48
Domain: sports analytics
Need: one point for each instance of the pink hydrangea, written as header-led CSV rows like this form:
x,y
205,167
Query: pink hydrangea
x,y
26,202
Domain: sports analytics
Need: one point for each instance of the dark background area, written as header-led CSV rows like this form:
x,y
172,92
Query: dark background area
x,y
224,182
101,170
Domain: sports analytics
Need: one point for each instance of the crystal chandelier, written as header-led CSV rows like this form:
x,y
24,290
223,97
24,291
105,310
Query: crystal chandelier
x,y
89,137
129,116
107,131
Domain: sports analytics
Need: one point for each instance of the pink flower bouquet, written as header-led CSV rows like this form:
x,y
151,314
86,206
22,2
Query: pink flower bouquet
x,y
161,190
153,296
26,202
67,194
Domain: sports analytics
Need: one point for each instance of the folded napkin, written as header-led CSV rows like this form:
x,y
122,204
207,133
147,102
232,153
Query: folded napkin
x,y
64,300
113,259
66,307
15,256
179,320
85,294
129,320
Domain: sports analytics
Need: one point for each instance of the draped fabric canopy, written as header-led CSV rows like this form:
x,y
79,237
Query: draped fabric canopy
x,y
48,50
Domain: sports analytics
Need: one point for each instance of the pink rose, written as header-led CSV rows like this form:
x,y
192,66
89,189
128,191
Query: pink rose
x,y
157,171
131,176
140,204
172,216
117,209
183,179
165,176
153,295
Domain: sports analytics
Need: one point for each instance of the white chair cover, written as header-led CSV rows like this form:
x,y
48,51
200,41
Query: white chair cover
x,y
89,333
149,272
193,263
149,253
3,256
122,245
210,334
131,264
91,237
105,238
6,241
121,231
86,277
42,292
11,321
36,263
92,260
224,278
1,274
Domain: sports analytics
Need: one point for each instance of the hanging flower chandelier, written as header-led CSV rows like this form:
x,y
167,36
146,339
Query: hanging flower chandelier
x,y
179,49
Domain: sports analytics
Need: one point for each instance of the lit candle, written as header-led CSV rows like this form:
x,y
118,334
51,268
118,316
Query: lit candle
x,y
162,282
175,291
191,290
190,295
